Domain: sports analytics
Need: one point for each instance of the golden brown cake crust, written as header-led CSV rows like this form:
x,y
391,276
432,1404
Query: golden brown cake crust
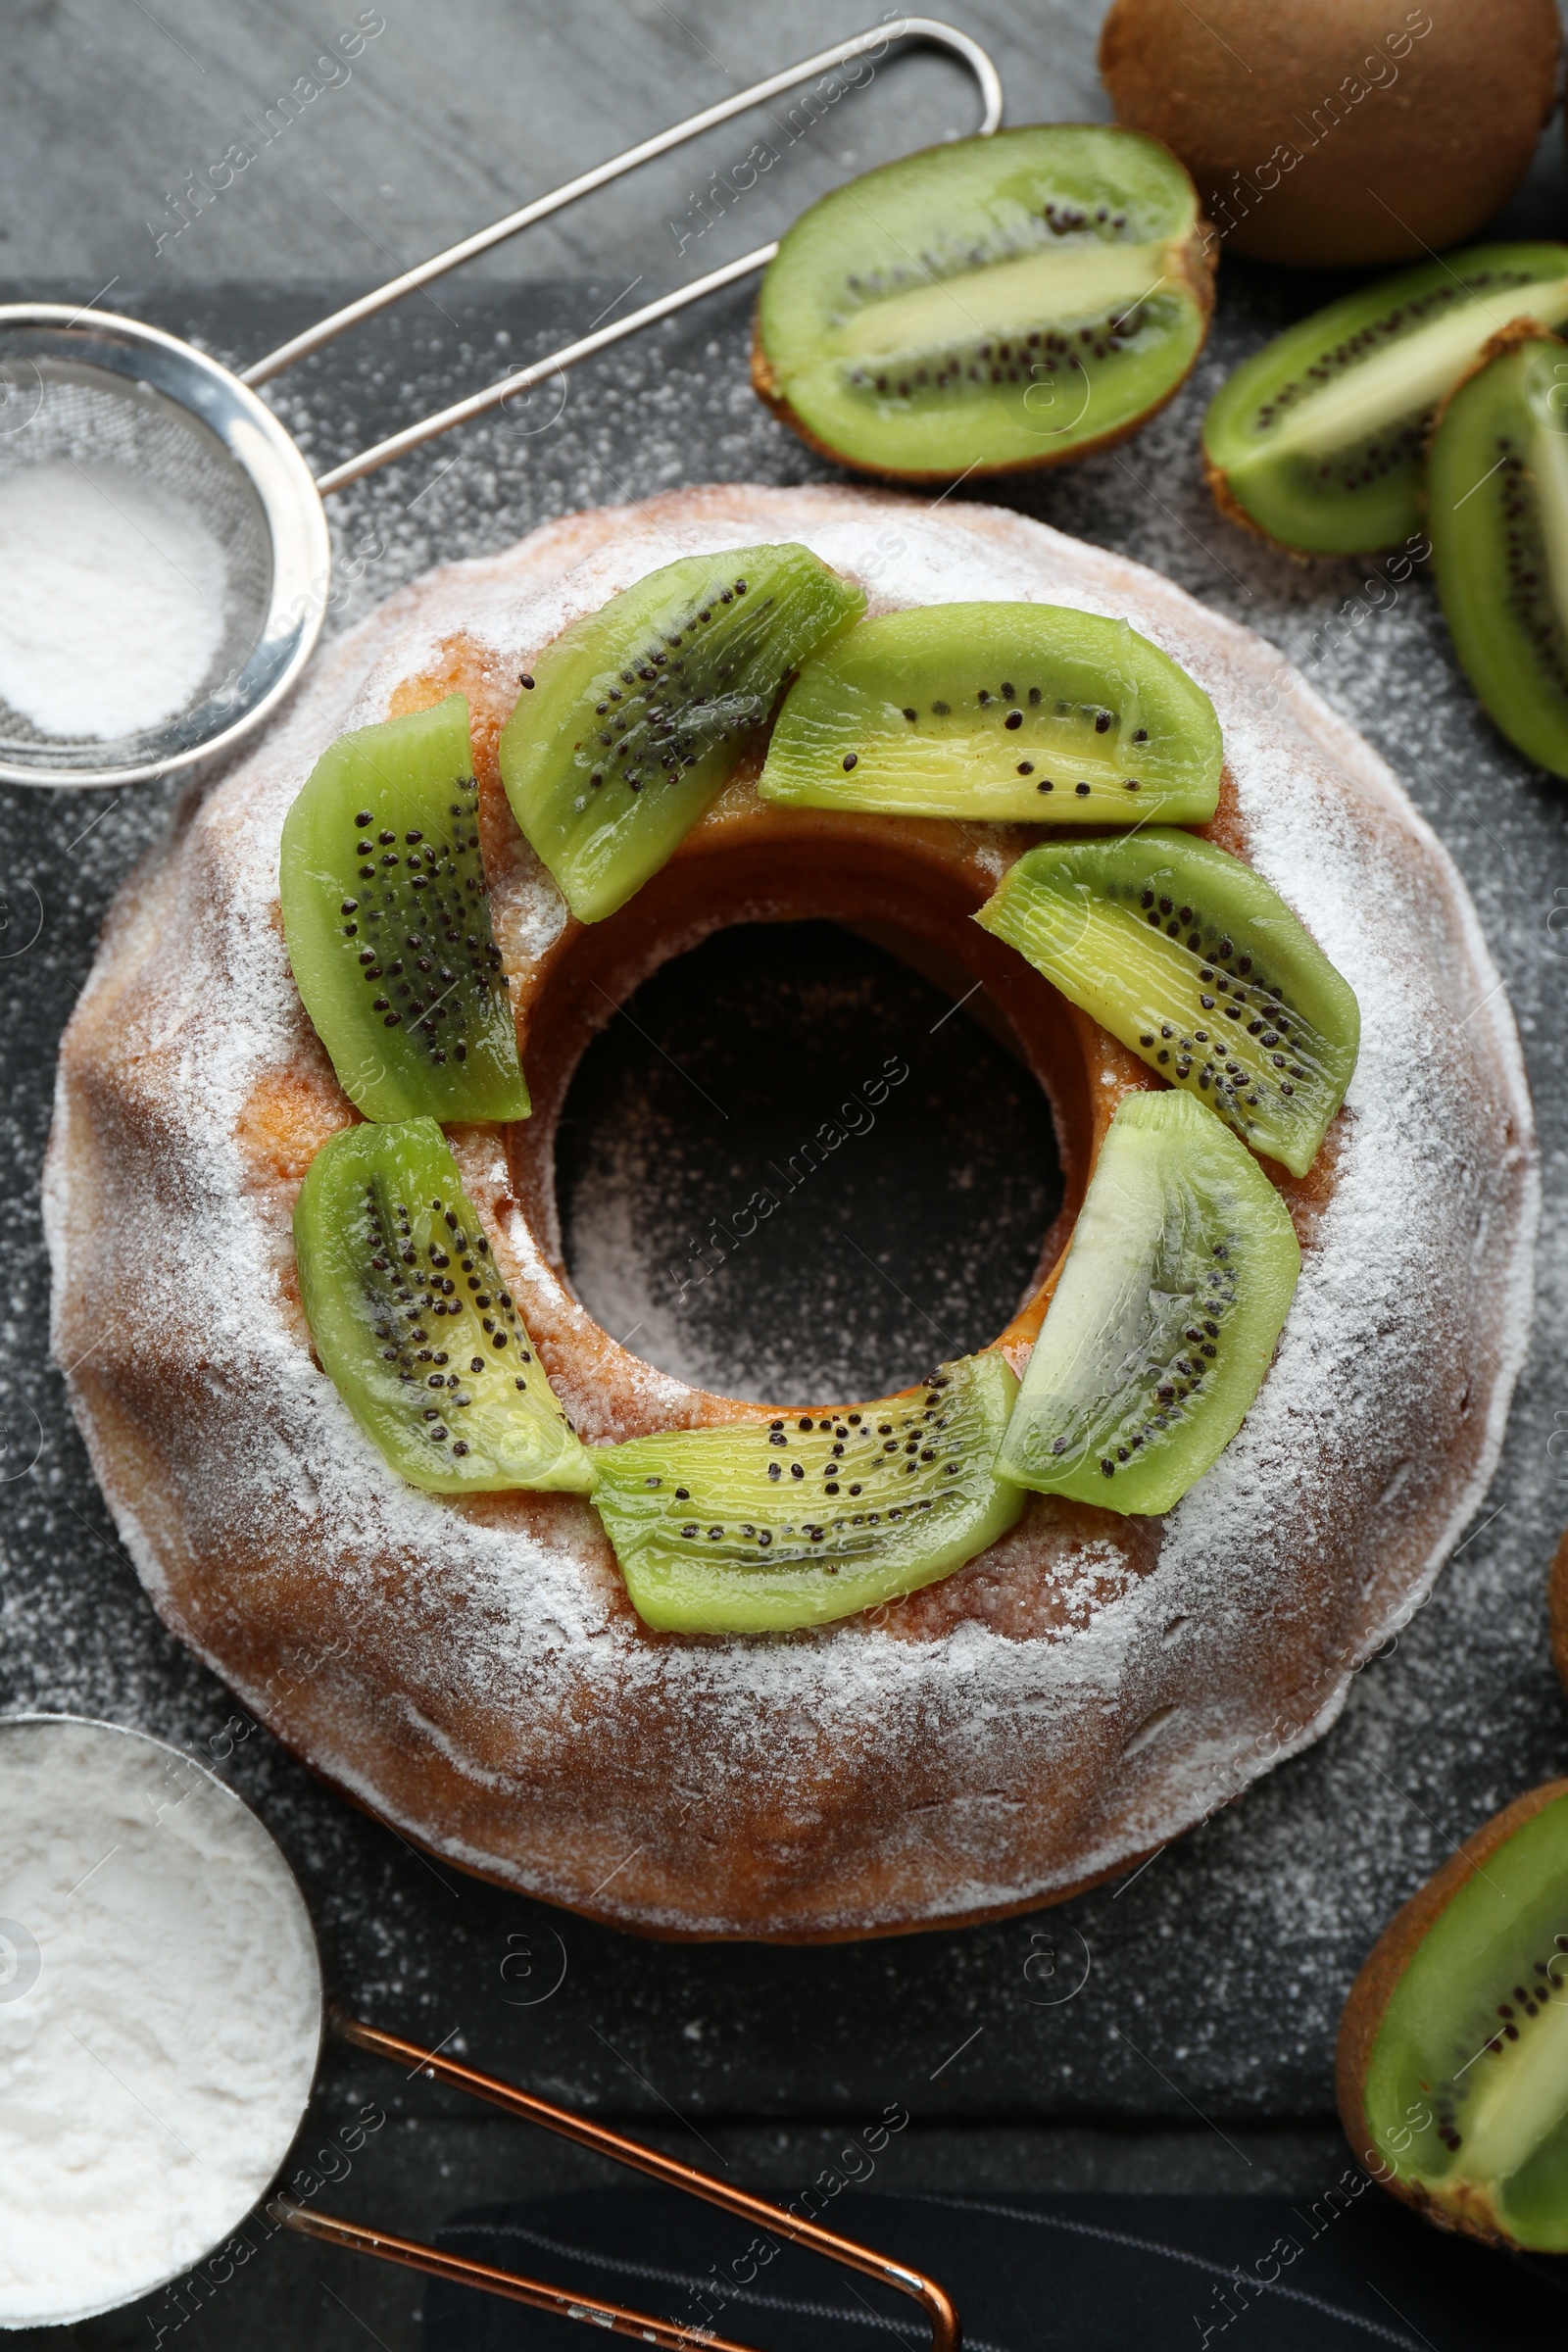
x,y
471,1669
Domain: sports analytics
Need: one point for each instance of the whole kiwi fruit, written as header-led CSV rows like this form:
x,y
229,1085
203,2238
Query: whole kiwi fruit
x,y
1349,131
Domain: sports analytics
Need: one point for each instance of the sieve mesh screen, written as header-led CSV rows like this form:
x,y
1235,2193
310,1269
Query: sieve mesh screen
x,y
87,415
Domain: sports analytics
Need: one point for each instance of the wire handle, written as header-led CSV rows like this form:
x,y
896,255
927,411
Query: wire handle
x,y
945,2333
930,31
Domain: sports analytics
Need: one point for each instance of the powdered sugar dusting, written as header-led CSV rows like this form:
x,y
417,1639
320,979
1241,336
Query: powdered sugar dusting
x,y
993,1765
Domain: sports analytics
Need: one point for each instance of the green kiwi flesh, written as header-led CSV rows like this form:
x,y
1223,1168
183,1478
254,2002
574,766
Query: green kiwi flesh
x,y
1024,712
759,1525
1465,2094
1197,965
1317,439
1497,515
388,925
630,722
1181,1270
414,1325
988,304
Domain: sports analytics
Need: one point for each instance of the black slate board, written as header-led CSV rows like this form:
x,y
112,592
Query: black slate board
x,y
1217,1976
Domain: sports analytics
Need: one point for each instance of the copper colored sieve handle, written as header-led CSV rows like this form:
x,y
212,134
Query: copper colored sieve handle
x,y
946,2333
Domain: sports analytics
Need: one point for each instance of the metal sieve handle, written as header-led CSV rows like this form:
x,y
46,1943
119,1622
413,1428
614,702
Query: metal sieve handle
x,y
563,2302
929,31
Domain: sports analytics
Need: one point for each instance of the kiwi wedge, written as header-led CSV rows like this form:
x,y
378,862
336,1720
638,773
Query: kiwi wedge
x,y
989,304
1497,513
633,719
388,926
761,1526
1181,1270
414,1324
1452,2066
1317,439
1197,965
1030,713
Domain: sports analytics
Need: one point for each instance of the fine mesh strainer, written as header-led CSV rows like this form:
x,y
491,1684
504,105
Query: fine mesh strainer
x,y
86,388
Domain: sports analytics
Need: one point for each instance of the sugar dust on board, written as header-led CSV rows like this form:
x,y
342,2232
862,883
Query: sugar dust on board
x,y
113,599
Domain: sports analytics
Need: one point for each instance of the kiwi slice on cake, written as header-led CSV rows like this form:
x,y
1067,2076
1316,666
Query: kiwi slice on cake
x,y
388,925
414,1324
631,720
1196,964
1452,2067
759,1525
1182,1267
987,305
1317,439
1497,512
1029,712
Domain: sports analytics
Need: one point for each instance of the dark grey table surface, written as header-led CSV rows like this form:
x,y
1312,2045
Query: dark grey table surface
x,y
1195,2047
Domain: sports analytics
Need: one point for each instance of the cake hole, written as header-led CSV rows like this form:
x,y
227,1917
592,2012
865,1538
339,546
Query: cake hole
x,y
753,1198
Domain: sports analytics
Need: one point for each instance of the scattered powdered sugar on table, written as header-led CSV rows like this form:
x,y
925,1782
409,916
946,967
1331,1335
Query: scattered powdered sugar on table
x,y
1162,1691
112,600
160,2013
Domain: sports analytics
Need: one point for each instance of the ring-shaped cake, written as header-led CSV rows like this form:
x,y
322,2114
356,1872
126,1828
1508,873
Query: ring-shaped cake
x,y
471,1669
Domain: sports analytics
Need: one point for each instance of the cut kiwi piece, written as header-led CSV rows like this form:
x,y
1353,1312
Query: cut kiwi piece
x,y
993,304
1316,440
1029,712
1182,1267
632,720
1452,2067
1196,964
414,1324
388,925
759,1526
1498,512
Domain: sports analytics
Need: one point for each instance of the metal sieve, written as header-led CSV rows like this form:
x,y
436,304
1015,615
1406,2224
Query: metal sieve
x,y
86,386
184,1778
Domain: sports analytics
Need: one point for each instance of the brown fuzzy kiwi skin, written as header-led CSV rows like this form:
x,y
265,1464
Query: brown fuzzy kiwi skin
x,y
1558,1590
1374,1988
1442,136
1194,263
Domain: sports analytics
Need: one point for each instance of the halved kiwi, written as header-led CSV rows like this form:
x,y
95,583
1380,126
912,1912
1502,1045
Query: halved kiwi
x,y
1452,2066
414,1324
1317,439
388,926
631,720
1497,512
759,1525
1181,1270
993,304
1198,966
998,710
